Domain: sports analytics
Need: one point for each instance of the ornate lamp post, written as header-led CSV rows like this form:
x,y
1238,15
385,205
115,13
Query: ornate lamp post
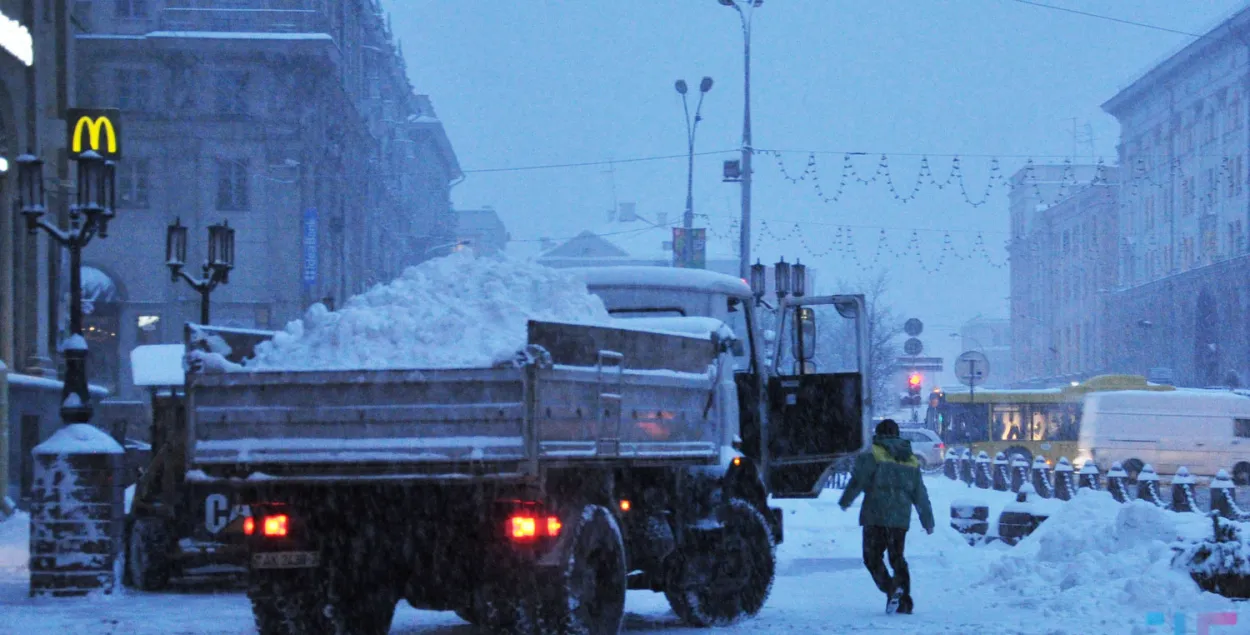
x,y
692,127
89,216
216,269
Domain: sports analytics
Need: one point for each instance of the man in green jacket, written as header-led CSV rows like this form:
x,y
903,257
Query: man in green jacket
x,y
889,476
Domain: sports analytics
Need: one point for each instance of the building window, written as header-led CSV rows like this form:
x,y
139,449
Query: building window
x,y
133,87
1187,196
1234,112
132,183
232,92
232,188
132,8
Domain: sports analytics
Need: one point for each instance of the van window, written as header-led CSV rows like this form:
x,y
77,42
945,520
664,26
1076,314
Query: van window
x,y
1241,428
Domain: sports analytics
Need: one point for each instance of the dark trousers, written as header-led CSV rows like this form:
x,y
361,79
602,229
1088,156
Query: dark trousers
x,y
878,541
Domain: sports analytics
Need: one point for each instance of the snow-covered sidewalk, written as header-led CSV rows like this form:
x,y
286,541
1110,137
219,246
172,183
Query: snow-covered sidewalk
x,y
1094,567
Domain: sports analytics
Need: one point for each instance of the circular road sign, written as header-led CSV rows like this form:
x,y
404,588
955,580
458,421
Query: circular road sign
x,y
913,327
972,368
913,347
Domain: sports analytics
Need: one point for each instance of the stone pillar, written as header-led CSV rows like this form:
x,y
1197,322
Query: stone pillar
x,y
950,464
1019,473
965,466
1183,491
984,478
1039,475
1002,479
1148,486
1065,486
1090,478
76,513
1224,497
1117,483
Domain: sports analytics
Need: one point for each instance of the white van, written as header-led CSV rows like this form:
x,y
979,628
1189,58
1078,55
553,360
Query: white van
x,y
1203,430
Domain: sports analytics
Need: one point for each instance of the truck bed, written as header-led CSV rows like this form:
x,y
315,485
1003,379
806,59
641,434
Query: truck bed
x,y
581,401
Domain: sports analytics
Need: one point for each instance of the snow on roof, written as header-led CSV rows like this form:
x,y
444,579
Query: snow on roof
x,y
79,438
664,277
30,381
158,365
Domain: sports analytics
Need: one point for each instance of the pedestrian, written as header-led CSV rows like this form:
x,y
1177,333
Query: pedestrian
x,y
889,476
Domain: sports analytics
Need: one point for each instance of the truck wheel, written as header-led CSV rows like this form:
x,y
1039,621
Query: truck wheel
x,y
587,593
283,604
724,574
147,554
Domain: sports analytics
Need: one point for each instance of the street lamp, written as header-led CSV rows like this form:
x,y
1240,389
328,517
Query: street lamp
x,y
744,235
691,129
216,268
458,243
88,217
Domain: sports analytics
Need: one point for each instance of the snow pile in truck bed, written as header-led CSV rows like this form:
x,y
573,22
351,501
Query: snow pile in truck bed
x,y
457,311
1095,557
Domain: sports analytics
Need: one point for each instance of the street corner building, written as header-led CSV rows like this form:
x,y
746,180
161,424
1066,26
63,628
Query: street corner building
x,y
295,122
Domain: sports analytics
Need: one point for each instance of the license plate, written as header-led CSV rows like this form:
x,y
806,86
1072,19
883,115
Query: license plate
x,y
285,559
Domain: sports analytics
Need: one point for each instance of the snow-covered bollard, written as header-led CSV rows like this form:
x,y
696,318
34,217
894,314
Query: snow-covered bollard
x,y
1019,472
1117,483
950,465
971,519
1183,499
76,515
1065,484
983,476
1002,479
1148,486
1040,477
1089,477
965,466
1224,497
1021,518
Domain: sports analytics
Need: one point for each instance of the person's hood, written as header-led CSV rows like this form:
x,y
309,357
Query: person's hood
x,y
898,448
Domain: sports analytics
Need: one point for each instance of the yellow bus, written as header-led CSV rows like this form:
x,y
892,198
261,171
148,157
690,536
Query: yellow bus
x,y
1027,423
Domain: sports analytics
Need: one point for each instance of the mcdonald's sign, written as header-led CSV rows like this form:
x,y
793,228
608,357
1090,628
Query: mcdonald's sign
x,y
97,129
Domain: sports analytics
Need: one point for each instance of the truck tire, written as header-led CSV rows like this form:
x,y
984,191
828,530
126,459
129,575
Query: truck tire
x,y
148,564
587,593
723,575
284,605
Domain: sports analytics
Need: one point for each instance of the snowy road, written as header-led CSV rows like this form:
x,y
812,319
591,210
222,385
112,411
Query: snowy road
x,y
1099,569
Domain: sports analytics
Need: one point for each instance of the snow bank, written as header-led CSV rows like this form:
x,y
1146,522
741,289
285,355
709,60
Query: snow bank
x,y
457,311
15,544
1095,557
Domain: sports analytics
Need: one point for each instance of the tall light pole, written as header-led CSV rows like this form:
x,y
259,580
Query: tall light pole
x,y
745,230
691,128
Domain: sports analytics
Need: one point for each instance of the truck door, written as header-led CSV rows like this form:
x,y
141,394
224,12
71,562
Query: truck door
x,y
817,393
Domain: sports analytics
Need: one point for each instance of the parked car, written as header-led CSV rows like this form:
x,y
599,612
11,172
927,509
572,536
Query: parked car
x,y
926,445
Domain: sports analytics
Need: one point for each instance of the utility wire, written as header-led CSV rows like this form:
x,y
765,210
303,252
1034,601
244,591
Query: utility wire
x,y
1108,18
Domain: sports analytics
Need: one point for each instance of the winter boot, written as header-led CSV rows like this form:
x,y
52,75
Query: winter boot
x,y
891,606
905,605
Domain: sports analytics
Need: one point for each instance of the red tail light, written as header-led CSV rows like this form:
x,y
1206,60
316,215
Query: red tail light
x,y
276,526
527,528
941,446
249,526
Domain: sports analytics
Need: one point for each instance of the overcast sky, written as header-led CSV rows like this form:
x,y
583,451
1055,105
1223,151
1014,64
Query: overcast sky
x,y
524,83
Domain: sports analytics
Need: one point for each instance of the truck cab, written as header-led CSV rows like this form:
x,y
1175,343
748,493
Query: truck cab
x,y
796,389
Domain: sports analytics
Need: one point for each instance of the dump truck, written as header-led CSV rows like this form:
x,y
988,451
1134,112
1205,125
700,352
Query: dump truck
x,y
529,496
175,527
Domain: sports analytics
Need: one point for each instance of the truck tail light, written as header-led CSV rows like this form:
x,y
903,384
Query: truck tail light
x,y
528,528
249,526
276,526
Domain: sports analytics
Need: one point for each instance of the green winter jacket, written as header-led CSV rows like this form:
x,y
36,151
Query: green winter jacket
x,y
889,476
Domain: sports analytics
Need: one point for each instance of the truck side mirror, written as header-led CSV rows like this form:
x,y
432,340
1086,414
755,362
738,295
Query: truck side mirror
x,y
806,332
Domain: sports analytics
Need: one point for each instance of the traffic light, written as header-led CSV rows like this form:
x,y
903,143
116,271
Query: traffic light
x,y
913,389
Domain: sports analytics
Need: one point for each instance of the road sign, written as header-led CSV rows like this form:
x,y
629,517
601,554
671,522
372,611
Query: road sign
x,y
913,347
913,327
98,129
972,368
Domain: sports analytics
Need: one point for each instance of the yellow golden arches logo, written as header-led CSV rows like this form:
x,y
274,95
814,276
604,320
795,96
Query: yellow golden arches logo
x,y
93,128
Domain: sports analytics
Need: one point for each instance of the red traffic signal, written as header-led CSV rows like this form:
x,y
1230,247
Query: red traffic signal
x,y
914,380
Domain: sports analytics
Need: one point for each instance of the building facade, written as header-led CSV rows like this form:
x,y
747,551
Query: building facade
x,y
1184,213
295,122
1063,266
